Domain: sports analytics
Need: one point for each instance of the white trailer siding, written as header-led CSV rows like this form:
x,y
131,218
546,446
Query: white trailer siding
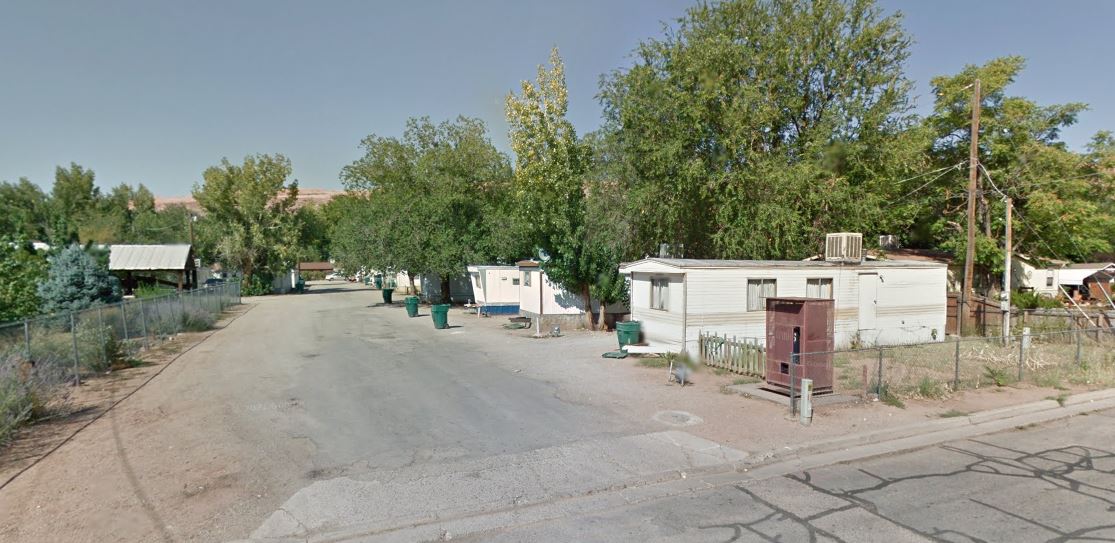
x,y
659,326
496,288
884,303
536,290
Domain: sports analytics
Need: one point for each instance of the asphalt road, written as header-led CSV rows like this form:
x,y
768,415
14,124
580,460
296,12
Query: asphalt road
x,y
1051,483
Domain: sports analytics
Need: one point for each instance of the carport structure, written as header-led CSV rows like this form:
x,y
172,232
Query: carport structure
x,y
154,264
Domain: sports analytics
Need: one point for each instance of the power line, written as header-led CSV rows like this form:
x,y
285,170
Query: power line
x,y
927,183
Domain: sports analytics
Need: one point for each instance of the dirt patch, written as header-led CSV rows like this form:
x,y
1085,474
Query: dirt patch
x,y
77,406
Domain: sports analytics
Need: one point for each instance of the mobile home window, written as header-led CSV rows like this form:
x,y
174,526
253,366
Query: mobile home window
x,y
515,281
659,293
758,290
1049,281
526,279
476,280
818,288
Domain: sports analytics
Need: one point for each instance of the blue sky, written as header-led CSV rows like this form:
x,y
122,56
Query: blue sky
x,y
155,92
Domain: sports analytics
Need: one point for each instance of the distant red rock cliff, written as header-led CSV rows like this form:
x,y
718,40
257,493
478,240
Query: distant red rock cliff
x,y
305,196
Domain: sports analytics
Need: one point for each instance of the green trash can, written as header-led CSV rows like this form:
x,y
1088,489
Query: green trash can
x,y
412,305
627,333
387,295
379,281
440,313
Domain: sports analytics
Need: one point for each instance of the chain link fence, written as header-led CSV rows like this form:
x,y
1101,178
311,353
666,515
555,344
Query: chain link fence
x,y
39,356
934,370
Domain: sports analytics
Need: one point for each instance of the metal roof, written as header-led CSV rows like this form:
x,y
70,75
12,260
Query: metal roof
x,y
700,263
315,266
149,257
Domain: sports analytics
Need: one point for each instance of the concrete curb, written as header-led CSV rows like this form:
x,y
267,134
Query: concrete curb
x,y
756,467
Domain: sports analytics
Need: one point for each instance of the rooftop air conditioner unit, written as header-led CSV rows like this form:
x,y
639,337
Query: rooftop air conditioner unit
x,y
844,247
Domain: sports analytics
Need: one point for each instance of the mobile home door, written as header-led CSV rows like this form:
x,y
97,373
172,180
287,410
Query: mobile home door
x,y
868,300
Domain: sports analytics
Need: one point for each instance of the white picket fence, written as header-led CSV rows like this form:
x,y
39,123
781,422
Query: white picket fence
x,y
745,356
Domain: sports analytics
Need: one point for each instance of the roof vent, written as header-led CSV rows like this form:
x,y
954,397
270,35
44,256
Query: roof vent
x,y
888,242
844,247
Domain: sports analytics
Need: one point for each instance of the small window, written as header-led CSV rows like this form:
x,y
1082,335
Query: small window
x,y
514,282
758,290
659,293
526,279
476,280
818,288
1049,281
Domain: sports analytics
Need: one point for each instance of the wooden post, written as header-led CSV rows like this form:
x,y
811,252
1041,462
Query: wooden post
x,y
1006,273
973,174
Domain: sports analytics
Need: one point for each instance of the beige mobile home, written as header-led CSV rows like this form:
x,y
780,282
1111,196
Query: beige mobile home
x,y
542,300
886,302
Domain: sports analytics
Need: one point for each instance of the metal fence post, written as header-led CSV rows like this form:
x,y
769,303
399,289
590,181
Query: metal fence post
x,y
1077,334
101,334
793,374
143,324
124,318
1022,351
27,338
77,357
879,382
181,313
956,368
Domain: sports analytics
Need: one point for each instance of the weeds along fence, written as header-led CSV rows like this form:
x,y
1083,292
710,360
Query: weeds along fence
x,y
1058,359
932,370
39,356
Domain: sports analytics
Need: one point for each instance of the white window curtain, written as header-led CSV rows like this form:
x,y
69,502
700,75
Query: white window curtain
x,y
758,290
659,293
818,288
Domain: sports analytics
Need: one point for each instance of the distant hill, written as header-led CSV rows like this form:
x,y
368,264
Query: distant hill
x,y
305,196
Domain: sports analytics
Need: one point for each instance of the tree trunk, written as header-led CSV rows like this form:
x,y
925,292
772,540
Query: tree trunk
x,y
445,289
587,298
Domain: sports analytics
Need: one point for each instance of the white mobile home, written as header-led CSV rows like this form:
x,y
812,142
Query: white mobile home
x,y
541,299
496,289
884,302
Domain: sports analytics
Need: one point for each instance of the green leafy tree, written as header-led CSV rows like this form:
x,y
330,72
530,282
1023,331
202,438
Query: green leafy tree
x,y
76,281
22,269
755,127
250,220
1062,199
552,185
73,196
429,202
24,210
168,225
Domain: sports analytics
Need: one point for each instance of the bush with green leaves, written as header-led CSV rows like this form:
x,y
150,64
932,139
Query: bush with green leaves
x,y
76,281
1033,300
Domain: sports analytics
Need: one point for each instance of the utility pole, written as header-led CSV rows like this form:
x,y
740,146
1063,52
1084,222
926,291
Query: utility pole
x,y
973,172
1006,272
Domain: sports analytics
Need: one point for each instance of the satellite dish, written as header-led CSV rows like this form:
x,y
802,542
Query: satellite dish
x,y
543,255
